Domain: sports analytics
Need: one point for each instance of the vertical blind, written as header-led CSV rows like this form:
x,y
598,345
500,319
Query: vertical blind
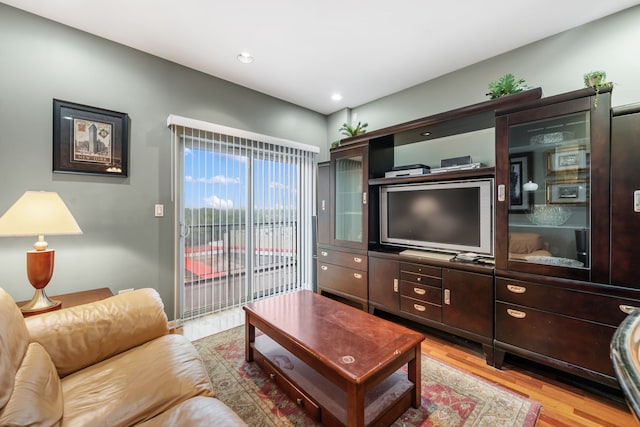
x,y
244,207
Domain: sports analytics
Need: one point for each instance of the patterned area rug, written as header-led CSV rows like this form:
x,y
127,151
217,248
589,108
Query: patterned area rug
x,y
450,397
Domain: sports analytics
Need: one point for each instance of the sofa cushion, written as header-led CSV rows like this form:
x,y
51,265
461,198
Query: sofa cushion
x,y
14,340
198,411
80,336
136,385
37,395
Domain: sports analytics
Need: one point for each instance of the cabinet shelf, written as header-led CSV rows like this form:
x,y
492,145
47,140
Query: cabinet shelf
x,y
484,172
515,149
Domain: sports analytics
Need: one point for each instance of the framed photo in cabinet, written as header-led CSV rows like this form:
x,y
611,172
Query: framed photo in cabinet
x,y
567,160
519,166
567,192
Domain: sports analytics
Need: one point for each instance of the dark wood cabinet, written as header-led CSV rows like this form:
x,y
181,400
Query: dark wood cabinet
x,y
559,306
343,276
468,305
567,215
350,190
324,202
625,196
384,281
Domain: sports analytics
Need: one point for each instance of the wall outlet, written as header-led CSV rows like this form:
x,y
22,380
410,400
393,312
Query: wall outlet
x,y
122,291
159,210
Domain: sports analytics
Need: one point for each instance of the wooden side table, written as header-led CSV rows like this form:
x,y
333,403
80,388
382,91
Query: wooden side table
x,y
75,298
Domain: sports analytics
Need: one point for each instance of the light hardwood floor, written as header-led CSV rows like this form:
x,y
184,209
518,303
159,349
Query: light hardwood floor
x,y
563,404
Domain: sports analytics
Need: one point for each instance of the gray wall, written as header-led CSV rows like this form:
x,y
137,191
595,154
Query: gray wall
x,y
123,244
556,64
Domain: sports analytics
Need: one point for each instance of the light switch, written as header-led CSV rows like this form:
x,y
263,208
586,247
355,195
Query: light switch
x,y
636,201
159,210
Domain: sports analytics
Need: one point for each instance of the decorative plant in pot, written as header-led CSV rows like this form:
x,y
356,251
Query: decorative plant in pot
x,y
349,130
596,80
505,85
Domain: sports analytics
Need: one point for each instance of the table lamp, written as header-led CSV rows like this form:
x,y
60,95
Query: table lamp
x,y
37,213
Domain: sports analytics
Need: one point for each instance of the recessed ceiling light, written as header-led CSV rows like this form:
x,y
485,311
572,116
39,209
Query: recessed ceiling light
x,y
245,58
336,97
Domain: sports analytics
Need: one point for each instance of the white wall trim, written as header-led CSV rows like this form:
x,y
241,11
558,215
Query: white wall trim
x,y
212,127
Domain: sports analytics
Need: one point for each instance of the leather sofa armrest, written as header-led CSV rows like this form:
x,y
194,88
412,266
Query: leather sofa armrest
x,y
80,336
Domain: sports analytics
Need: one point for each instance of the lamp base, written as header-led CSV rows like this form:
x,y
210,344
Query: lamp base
x,y
40,303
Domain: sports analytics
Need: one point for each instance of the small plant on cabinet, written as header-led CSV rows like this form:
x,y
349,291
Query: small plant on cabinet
x,y
505,85
596,80
349,130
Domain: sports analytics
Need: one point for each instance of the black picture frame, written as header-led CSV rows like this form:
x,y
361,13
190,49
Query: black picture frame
x,y
520,201
89,140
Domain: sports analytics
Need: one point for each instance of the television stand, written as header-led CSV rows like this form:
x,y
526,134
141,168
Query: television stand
x,y
427,254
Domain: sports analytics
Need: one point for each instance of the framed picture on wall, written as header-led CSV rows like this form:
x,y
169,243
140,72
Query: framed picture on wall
x,y
519,166
89,140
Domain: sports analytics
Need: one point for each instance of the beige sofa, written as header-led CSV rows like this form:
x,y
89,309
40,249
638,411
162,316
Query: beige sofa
x,y
108,363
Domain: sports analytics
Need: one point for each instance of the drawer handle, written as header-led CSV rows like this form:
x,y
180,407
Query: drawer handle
x,y
324,267
395,285
272,376
517,289
419,307
447,296
357,259
627,309
299,402
419,291
324,253
418,279
357,275
516,313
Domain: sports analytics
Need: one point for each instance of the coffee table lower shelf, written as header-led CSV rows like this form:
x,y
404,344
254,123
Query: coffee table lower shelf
x,y
323,400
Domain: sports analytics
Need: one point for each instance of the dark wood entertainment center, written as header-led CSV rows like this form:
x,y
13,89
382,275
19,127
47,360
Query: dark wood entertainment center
x,y
559,307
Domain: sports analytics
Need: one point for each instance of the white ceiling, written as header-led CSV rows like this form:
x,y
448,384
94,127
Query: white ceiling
x,y
305,50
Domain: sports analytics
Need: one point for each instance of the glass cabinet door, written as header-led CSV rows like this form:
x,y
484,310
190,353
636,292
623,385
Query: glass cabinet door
x,y
549,200
350,198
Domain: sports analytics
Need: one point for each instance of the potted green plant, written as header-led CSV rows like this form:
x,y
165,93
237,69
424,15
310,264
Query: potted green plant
x,y
349,130
596,79
335,144
505,85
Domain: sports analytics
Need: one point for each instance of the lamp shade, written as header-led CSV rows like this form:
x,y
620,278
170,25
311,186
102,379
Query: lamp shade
x,y
38,213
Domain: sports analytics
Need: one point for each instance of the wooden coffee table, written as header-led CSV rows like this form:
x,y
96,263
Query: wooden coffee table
x,y
338,362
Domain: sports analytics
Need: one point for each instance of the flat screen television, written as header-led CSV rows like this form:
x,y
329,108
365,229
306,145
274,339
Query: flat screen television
x,y
454,216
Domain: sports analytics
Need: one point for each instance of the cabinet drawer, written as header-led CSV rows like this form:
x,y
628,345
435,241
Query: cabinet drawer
x,y
346,280
290,389
583,305
574,341
421,308
426,270
422,293
344,259
421,279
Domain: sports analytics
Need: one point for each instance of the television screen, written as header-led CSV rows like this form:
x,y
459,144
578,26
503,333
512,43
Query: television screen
x,y
446,216
437,215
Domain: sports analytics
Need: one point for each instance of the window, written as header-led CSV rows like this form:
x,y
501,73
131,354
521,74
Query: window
x,y
245,206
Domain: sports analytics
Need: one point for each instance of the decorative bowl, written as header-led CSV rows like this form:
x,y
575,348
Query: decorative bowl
x,y
548,214
554,260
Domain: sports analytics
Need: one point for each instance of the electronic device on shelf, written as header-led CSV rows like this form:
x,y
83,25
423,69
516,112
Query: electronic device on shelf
x,y
467,257
455,161
408,170
453,216
456,168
